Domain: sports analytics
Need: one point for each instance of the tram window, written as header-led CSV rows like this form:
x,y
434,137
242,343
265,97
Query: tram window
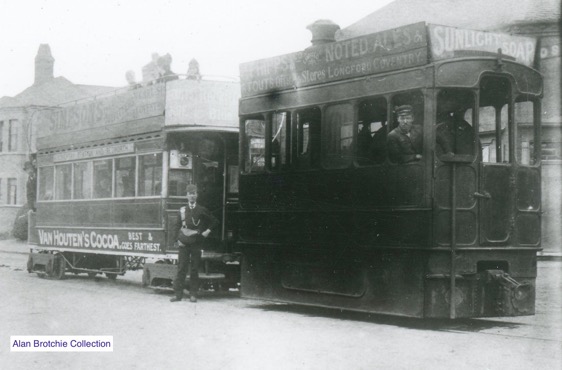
x,y
495,96
372,131
46,179
279,124
150,174
178,181
125,172
103,171
254,150
83,180
62,182
307,132
337,136
454,133
406,146
524,118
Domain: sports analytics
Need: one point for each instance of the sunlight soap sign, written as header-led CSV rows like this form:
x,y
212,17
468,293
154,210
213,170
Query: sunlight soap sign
x,y
449,42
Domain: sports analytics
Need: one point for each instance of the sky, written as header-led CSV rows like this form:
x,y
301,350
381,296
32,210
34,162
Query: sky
x,y
97,42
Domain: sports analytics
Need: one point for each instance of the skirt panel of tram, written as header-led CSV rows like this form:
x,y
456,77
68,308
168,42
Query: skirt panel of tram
x,y
397,281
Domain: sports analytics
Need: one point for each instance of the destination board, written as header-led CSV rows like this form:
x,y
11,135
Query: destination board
x,y
395,49
209,103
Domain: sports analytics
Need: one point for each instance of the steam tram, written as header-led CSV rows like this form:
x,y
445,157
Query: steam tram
x,y
328,217
112,175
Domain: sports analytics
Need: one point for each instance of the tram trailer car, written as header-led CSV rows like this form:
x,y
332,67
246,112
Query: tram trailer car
x,y
330,215
112,176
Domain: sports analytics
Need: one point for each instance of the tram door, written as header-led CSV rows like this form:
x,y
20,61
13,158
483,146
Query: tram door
x,y
457,156
509,189
487,180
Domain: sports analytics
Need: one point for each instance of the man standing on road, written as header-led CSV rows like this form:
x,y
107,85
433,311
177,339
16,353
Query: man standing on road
x,y
194,224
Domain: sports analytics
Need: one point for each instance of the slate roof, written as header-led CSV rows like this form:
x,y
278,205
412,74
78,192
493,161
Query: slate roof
x,y
56,91
471,14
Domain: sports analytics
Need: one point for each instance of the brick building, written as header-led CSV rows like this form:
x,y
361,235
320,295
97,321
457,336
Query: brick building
x,y
17,132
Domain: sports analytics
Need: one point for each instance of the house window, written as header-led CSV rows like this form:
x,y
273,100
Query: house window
x,y
12,191
1,136
13,135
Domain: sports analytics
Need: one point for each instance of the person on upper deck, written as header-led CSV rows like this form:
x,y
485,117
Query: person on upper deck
x,y
403,141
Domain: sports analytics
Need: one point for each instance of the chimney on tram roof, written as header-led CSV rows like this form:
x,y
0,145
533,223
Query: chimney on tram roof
x,y
323,31
44,65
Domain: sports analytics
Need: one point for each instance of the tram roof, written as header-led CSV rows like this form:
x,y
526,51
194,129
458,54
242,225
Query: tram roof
x,y
140,110
404,47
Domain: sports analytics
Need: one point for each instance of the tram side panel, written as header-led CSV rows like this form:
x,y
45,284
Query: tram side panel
x,y
327,244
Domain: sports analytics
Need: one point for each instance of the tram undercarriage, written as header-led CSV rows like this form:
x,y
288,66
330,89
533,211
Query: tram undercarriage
x,y
218,271
403,282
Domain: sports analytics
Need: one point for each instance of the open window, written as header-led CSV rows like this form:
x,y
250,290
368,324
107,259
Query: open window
x,y
307,138
338,136
372,130
405,143
280,121
254,142
494,118
455,137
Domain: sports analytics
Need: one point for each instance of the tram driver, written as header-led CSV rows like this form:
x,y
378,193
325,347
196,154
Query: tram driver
x,y
404,141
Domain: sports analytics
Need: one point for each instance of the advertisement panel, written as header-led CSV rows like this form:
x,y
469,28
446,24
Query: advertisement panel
x,y
450,42
102,240
395,49
196,102
101,112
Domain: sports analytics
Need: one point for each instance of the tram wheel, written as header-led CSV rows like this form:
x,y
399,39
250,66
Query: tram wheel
x,y
59,267
145,277
111,276
29,264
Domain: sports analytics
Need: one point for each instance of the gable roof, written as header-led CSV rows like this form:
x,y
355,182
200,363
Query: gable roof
x,y
56,91
471,14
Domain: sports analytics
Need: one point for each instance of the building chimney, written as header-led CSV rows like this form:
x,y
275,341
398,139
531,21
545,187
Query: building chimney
x,y
323,31
44,65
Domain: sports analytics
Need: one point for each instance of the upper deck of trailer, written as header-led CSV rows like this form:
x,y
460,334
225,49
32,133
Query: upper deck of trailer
x,y
402,48
139,110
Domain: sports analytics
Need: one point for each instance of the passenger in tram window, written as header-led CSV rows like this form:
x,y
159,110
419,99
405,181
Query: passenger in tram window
x,y
454,136
403,142
364,140
378,144
103,188
193,225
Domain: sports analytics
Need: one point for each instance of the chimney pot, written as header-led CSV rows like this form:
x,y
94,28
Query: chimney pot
x,y
323,31
44,65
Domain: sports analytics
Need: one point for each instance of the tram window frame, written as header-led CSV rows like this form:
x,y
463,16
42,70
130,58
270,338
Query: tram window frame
x,y
525,152
414,98
84,182
373,112
278,136
254,131
100,185
46,183
123,187
495,118
63,181
307,130
338,144
155,183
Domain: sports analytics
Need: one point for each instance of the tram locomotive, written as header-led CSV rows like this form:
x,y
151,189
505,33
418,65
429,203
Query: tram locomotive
x,y
328,217
113,172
